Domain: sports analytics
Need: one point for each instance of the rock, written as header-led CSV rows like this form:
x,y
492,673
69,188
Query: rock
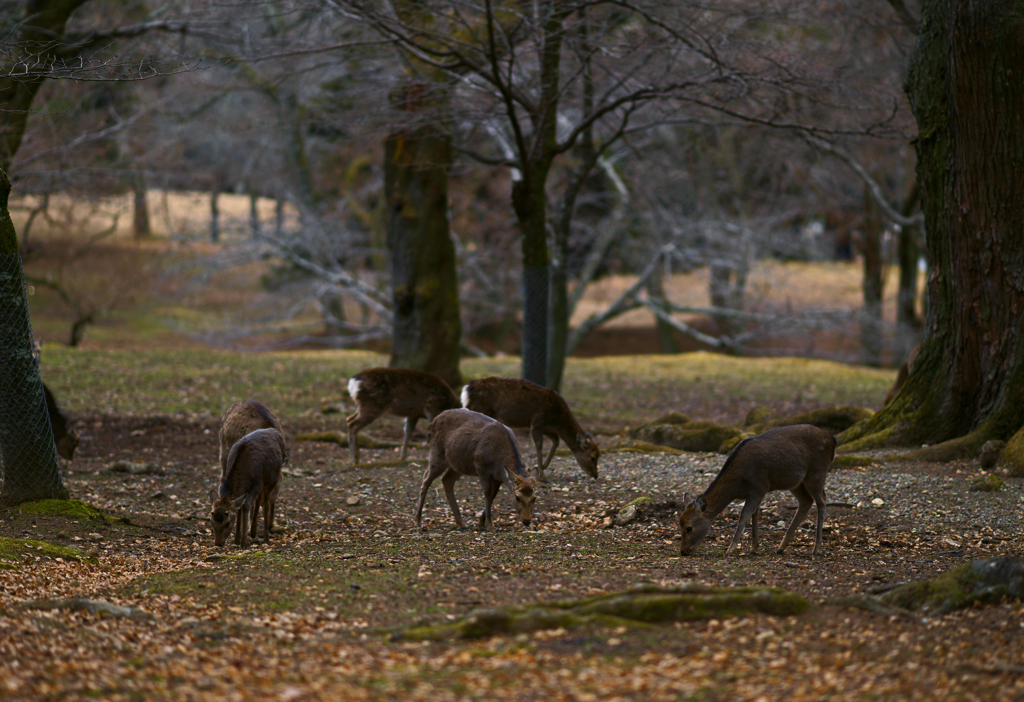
x,y
759,414
990,452
352,501
1012,457
833,419
631,511
986,483
101,607
691,436
978,582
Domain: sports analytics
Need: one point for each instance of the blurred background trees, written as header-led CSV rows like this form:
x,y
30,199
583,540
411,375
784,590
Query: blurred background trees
x,y
591,143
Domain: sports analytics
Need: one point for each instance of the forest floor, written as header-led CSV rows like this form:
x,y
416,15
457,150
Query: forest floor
x,y
313,613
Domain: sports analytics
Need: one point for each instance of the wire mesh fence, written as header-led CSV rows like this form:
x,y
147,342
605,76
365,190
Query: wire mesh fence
x,y
29,469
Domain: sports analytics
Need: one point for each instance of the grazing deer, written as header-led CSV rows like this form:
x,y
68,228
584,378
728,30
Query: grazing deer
x,y
795,458
240,419
402,392
521,404
64,434
251,481
463,442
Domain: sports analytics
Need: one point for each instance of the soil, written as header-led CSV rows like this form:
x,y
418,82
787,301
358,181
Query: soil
x,y
310,615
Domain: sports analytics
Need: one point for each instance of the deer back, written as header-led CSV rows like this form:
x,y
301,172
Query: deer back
x,y
242,418
402,391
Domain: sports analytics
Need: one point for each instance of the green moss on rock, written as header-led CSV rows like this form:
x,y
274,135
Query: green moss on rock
x,y
982,581
1012,457
986,483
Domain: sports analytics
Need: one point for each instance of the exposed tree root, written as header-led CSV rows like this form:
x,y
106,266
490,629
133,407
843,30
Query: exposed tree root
x,y
341,438
638,606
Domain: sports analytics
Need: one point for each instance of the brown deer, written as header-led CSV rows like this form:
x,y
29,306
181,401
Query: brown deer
x,y
240,419
521,404
402,392
795,458
463,442
64,434
251,481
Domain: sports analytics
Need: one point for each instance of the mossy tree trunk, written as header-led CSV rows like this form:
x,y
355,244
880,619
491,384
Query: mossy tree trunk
x,y
28,456
966,87
427,326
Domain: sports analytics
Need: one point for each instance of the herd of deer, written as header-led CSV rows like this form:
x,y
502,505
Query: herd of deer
x,y
475,437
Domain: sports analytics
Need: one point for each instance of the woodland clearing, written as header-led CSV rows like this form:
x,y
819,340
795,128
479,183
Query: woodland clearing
x,y
313,614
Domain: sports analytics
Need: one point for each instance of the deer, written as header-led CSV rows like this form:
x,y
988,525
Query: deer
x,y
251,481
403,392
240,419
65,437
521,404
795,458
463,442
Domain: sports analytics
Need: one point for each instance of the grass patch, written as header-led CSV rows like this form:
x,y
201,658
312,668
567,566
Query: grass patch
x,y
15,550
66,508
612,392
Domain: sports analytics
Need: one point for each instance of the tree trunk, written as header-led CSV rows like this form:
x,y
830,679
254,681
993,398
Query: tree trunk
x,y
427,326
140,211
656,293
28,457
871,313
214,215
908,325
529,202
966,86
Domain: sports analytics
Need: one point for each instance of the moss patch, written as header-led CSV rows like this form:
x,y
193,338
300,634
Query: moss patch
x,y
986,483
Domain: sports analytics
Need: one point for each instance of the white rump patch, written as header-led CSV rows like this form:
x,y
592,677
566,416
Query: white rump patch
x,y
353,387
465,395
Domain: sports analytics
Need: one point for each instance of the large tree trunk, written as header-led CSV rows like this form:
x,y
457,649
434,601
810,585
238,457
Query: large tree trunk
x,y
871,313
966,87
427,326
28,457
530,203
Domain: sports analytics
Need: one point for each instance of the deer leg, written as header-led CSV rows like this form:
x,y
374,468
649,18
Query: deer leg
x,y
487,484
538,440
268,513
753,529
355,422
805,500
819,502
551,453
410,425
429,475
448,480
749,509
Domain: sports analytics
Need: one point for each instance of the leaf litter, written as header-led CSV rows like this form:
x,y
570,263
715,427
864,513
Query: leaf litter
x,y
311,614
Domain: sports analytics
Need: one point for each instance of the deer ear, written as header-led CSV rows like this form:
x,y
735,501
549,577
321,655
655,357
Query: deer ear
x,y
237,503
214,496
701,503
